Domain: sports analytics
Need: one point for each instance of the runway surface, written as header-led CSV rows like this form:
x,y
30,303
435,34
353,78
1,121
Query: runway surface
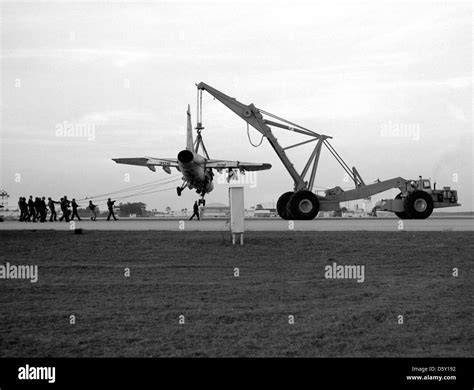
x,y
342,224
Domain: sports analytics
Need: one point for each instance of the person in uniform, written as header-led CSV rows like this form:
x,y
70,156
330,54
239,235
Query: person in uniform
x,y
64,208
195,211
53,216
38,208
25,207
43,209
92,207
31,208
22,210
110,206
74,209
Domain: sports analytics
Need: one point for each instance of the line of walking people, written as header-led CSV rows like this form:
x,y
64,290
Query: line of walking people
x,y
37,209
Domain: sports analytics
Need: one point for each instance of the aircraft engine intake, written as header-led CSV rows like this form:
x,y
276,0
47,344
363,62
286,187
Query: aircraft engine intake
x,y
185,156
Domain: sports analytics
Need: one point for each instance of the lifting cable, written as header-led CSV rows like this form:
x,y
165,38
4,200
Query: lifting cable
x,y
146,193
141,191
144,186
152,189
250,140
100,203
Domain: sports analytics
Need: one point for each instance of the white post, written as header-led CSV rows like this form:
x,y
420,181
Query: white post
x,y
237,210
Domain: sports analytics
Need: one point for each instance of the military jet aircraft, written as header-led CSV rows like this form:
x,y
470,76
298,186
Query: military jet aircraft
x,y
196,169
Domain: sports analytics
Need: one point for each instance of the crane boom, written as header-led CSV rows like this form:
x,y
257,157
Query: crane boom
x,y
252,115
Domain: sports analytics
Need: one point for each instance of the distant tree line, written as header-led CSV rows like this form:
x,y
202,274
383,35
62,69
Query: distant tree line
x,y
137,208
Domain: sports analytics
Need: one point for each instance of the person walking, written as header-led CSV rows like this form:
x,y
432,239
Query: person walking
x,y
25,210
31,208
64,203
22,209
67,203
74,210
92,208
43,211
27,214
37,204
53,216
110,206
195,211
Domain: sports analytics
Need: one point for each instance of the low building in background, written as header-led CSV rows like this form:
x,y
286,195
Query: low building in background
x,y
215,210
265,213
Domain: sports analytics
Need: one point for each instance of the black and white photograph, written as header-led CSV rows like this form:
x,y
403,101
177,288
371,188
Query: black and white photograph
x,y
205,186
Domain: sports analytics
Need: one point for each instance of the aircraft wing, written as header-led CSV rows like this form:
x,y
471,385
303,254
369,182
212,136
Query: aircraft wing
x,y
246,166
149,162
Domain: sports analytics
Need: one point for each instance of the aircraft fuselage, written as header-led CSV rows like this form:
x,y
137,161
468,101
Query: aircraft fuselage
x,y
195,173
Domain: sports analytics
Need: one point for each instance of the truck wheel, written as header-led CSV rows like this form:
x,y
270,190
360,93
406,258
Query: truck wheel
x,y
303,205
419,205
282,203
401,214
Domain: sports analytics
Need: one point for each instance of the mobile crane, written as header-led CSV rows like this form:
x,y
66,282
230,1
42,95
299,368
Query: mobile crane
x,y
416,199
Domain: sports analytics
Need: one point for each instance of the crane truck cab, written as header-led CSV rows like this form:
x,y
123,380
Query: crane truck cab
x,y
417,200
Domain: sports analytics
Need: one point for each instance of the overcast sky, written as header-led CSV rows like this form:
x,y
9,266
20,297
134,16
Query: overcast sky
x,y
357,72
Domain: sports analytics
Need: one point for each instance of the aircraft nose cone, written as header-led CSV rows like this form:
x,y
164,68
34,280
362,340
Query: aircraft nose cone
x,y
185,156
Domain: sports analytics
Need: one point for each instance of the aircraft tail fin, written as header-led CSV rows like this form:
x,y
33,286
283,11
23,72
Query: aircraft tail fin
x,y
189,132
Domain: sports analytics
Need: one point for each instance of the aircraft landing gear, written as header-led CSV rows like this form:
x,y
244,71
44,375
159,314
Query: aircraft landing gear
x,y
202,201
179,190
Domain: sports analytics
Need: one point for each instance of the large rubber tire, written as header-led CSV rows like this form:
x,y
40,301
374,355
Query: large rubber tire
x,y
419,205
303,205
401,214
282,203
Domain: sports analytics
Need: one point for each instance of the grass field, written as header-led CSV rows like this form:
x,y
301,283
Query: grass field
x,y
281,274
